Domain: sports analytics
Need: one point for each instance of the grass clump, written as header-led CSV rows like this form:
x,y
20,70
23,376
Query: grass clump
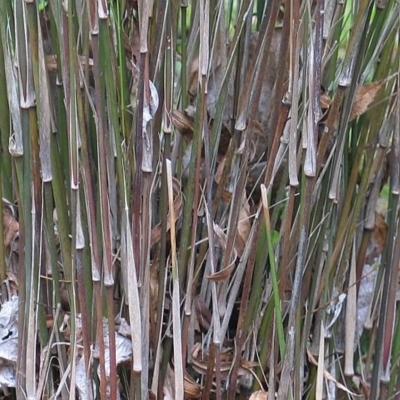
x,y
200,199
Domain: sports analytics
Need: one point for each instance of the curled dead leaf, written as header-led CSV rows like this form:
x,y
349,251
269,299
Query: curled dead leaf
x,y
222,275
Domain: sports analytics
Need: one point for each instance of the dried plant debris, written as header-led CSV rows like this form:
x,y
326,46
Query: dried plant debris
x,y
200,358
364,97
123,348
9,342
201,296
192,390
10,225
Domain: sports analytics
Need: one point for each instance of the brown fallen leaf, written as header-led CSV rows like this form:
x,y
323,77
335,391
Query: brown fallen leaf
x,y
364,96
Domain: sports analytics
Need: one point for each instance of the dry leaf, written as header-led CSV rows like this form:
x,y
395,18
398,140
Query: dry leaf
x,y
191,388
243,228
222,275
327,375
363,97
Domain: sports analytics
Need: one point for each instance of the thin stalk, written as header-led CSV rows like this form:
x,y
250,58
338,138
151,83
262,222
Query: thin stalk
x,y
105,220
184,58
274,278
176,322
122,80
189,212
305,209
